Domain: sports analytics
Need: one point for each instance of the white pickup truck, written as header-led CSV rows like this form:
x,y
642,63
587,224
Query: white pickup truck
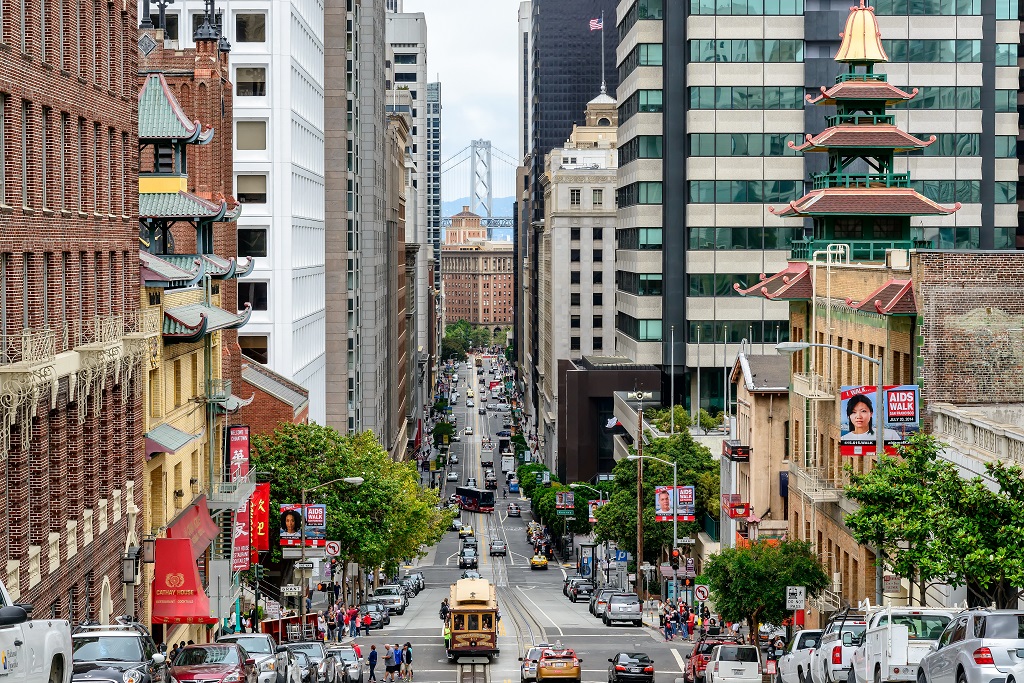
x,y
830,663
32,650
794,666
895,641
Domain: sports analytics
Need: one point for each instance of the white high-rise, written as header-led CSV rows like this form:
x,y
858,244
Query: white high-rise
x,y
277,68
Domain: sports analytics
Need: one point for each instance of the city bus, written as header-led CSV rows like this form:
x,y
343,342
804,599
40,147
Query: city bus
x,y
473,619
474,499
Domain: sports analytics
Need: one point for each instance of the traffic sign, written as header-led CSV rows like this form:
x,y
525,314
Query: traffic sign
x,y
332,548
304,565
796,596
701,592
890,583
687,540
291,589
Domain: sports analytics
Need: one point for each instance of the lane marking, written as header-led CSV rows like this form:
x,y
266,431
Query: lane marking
x,y
679,658
557,627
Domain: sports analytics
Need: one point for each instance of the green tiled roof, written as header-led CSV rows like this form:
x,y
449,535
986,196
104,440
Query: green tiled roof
x,y
190,322
161,116
180,205
167,439
162,271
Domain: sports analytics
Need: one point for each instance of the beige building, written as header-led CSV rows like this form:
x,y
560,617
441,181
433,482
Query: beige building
x,y
476,274
576,257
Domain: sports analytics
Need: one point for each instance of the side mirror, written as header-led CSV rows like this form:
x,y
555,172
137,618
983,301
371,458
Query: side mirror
x,y
847,639
521,659
932,647
158,659
281,648
611,660
250,662
12,615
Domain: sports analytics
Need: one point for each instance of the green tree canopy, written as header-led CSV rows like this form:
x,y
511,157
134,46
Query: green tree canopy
x,y
749,583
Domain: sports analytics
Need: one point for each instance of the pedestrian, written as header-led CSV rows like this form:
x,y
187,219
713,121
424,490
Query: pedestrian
x,y
339,622
402,668
344,622
254,619
407,661
684,623
447,636
367,620
389,663
332,622
372,661
353,617
232,621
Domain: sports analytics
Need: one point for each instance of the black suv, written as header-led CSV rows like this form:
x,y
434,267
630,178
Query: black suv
x,y
468,559
116,653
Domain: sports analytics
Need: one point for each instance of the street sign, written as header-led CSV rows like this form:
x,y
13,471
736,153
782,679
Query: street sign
x,y
304,565
687,540
796,596
701,592
622,556
890,583
332,548
291,589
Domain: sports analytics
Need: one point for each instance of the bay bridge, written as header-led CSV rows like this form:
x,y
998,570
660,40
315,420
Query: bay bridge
x,y
484,172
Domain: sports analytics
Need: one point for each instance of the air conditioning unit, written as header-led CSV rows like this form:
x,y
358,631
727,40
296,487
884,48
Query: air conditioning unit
x,y
898,259
837,582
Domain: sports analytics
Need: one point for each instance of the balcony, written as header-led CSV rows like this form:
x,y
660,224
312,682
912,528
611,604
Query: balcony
x,y
842,78
861,119
813,386
815,484
826,601
860,250
228,493
218,390
823,181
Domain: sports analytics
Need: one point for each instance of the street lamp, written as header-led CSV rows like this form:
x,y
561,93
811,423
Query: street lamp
x,y
879,363
599,492
354,481
129,571
675,517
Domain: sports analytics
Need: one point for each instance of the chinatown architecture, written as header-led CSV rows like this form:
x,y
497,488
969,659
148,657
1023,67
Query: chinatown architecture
x,y
190,272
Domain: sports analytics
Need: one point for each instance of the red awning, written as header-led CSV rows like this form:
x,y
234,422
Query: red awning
x,y
178,596
195,525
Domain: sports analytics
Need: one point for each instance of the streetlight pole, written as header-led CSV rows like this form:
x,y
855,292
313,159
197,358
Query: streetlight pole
x,y
675,509
879,363
355,481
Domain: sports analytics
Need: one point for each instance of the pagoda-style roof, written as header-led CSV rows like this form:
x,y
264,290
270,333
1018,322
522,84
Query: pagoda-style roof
x,y
895,297
164,271
217,267
189,323
862,41
162,118
184,206
861,136
864,201
872,87
792,283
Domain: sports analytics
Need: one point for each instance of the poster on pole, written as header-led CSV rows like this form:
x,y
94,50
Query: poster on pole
x,y
859,417
592,506
238,448
261,517
294,519
674,503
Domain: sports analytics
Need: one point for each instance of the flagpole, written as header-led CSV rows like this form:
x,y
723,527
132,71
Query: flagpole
x,y
604,88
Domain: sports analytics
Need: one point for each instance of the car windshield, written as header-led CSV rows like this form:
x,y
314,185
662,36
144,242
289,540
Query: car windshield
x,y
625,600
856,630
468,552
301,659
737,653
347,655
107,649
208,654
314,651
707,646
919,626
388,591
634,658
584,586
1002,626
259,645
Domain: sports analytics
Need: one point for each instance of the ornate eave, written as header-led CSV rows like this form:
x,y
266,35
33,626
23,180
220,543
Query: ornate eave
x,y
161,271
864,201
864,90
183,206
895,297
162,118
191,322
862,136
792,283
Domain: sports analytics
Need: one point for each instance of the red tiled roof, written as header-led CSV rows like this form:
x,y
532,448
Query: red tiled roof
x,y
792,283
864,201
851,135
895,297
862,90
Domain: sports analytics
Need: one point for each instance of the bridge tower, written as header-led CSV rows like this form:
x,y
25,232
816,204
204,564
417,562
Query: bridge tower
x,y
480,192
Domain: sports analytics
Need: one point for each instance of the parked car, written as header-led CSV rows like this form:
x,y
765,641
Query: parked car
x,y
504,432
421,582
99,653
631,667
392,596
624,607
697,662
528,668
599,601
514,510
379,617
978,646
830,663
471,482
214,661
470,574
350,666
272,660
793,665
481,410
895,642
581,590
326,666
567,582
734,663
45,645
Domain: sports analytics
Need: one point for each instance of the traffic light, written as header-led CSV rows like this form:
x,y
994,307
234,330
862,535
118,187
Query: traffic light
x,y
687,582
675,558
322,587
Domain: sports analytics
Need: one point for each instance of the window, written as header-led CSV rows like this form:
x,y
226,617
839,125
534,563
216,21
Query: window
x,y
641,147
251,135
254,293
639,238
641,9
574,321
405,77
643,192
1006,146
3,149
939,51
598,277
574,234
598,255
598,343
641,101
197,21
644,54
574,255
720,284
747,97
931,7
742,144
641,284
250,28
734,331
171,29
574,196
1007,9
252,189
26,114
574,343
1006,54
747,7
744,191
640,330
252,242
598,299
574,277
754,50
598,234
1006,101
255,347
405,59
743,238
251,81
598,321
574,299
598,199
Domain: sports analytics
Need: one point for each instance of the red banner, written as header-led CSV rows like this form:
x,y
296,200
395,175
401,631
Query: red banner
x,y
238,447
178,596
241,539
261,517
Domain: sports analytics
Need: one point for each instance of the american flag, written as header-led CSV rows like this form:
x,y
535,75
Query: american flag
x,y
597,24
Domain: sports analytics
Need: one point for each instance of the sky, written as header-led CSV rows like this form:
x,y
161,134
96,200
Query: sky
x,y
471,49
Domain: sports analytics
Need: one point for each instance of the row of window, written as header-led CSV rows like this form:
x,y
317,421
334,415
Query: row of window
x,y
720,284
640,330
748,7
1005,9
740,191
640,284
641,101
574,299
735,331
753,50
760,238
932,51
644,192
575,321
49,157
250,27
597,277
644,54
958,97
747,97
743,144
574,234
639,10
641,147
646,239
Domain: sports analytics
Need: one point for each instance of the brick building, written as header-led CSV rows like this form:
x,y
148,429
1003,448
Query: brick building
x,y
476,274
276,399
70,389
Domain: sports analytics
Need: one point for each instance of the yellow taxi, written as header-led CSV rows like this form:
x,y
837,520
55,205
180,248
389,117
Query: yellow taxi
x,y
538,561
559,663
465,531
469,393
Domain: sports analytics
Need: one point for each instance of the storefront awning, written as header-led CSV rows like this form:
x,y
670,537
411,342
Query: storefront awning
x,y
178,595
195,525
167,439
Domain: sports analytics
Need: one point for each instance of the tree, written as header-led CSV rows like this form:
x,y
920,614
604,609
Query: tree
x,y
480,337
453,349
442,429
708,421
749,583
662,419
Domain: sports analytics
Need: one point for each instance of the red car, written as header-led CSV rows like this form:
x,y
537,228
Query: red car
x,y
700,655
220,662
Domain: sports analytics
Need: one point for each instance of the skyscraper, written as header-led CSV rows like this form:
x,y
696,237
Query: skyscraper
x,y
433,172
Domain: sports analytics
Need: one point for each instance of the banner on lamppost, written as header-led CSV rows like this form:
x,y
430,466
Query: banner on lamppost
x,y
238,448
859,417
674,503
294,519
241,540
260,517
565,503
592,506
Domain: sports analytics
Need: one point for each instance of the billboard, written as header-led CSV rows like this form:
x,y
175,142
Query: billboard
x,y
565,500
238,447
294,519
674,504
859,417
592,506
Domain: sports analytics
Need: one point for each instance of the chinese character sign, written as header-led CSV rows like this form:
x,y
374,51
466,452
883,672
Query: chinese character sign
x,y
241,539
238,445
261,517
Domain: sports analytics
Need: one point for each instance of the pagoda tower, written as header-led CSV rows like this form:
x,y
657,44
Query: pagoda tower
x,y
866,205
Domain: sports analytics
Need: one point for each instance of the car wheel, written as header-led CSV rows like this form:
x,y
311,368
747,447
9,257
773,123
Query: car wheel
x,y
878,674
638,622
961,677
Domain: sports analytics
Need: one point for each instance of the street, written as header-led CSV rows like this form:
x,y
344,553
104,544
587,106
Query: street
x,y
533,609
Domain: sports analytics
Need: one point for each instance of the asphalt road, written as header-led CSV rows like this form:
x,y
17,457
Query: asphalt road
x,y
531,602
